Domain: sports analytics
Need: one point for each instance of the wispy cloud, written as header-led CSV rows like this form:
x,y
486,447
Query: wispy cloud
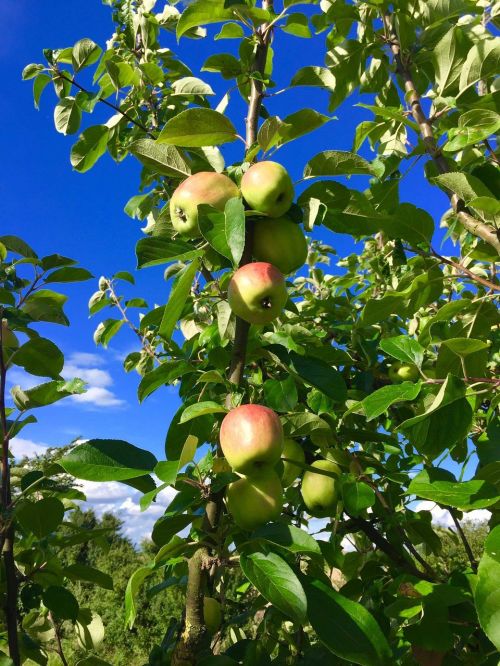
x,y
21,447
443,518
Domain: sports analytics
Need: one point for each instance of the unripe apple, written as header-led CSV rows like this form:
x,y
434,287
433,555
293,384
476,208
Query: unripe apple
x,y
280,242
267,188
255,501
257,292
251,437
293,451
205,187
320,492
403,372
212,614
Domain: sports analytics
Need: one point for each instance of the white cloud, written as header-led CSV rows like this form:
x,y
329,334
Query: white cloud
x,y
123,502
98,394
21,447
442,516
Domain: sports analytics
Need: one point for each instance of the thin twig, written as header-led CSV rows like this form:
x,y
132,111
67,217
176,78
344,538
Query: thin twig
x,y
463,538
62,75
57,632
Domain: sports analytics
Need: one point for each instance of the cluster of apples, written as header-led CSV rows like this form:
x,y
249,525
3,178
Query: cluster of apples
x,y
257,291
253,444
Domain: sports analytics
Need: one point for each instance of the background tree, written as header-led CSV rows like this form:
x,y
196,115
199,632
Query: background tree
x,y
385,368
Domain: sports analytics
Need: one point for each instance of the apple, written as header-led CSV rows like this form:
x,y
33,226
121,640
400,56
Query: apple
x,y
251,437
255,501
292,450
267,188
205,187
403,372
257,292
212,614
320,492
280,242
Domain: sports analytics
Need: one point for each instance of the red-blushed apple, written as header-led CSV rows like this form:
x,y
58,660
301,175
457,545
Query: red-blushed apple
x,y
251,437
403,372
293,451
280,242
257,292
320,492
212,614
255,501
267,188
205,187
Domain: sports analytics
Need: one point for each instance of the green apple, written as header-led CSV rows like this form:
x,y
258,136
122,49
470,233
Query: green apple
x,y
257,292
251,437
320,492
293,451
267,188
255,501
205,187
280,242
212,614
403,372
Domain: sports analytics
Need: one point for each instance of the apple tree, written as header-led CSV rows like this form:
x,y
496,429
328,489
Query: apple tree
x,y
331,400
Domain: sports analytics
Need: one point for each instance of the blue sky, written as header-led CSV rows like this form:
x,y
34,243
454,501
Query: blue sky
x,y
81,215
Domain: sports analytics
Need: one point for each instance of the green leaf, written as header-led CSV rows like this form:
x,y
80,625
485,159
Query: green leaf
x,y
441,487
191,85
319,374
133,586
156,250
46,305
46,394
89,148
203,12
379,401
39,85
487,592
177,300
300,123
230,31
61,602
67,116
482,62
199,409
297,25
89,574
195,128
473,127
403,348
357,497
449,56
160,158
337,163
164,374
212,225
465,346
234,222
277,583
314,76
41,518
290,537
345,627
108,460
226,64
40,357
167,526
464,185
279,395
30,71
85,53
89,630
68,274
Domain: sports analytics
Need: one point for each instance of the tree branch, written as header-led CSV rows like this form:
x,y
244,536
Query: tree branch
x,y
463,538
475,227
57,631
194,633
7,526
